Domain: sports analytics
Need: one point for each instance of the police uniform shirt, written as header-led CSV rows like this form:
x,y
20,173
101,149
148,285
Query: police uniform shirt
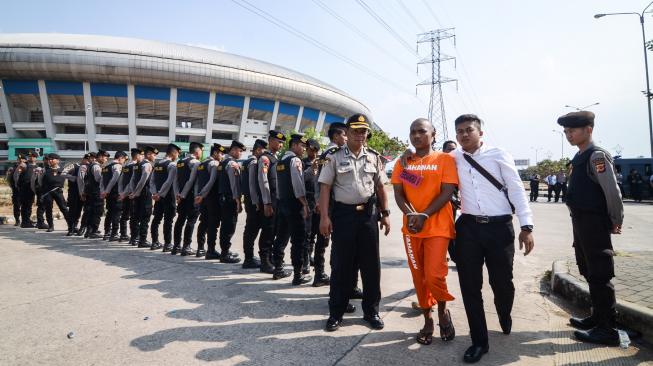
x,y
116,169
233,170
193,163
602,172
296,174
353,179
167,184
204,191
320,162
20,169
97,172
137,187
123,186
252,169
36,179
263,182
81,176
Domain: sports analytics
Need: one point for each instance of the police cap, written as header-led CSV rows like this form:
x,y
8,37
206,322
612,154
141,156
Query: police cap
x,y
103,153
237,144
277,135
150,149
297,137
358,120
577,119
195,145
172,147
260,143
313,144
53,156
120,154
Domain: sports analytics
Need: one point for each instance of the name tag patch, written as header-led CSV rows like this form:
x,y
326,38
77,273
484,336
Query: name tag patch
x,y
410,178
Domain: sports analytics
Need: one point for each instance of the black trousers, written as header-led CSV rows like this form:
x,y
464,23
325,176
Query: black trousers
x,y
535,192
594,256
563,191
290,226
133,221
316,244
207,230
355,240
40,208
26,202
187,214
550,190
125,215
268,231
228,220
74,208
164,209
494,245
142,212
93,210
56,196
252,228
114,210
15,202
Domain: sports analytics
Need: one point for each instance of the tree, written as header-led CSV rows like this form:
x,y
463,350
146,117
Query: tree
x,y
385,145
546,167
309,133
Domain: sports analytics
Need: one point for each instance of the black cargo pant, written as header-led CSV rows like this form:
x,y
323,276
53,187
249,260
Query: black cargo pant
x,y
355,241
316,244
187,214
268,231
55,196
228,220
26,202
594,256
164,209
114,210
492,244
207,230
74,208
141,214
252,228
40,208
15,202
125,215
93,211
290,226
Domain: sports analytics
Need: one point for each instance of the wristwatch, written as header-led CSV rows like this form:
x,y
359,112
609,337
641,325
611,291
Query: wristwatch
x,y
385,213
528,228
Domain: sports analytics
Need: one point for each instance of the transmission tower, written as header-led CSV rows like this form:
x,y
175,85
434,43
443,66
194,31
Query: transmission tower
x,y
435,59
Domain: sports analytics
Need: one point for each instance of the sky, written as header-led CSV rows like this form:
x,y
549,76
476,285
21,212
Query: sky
x,y
518,63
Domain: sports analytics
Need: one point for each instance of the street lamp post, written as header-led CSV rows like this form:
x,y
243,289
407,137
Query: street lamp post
x,y
536,151
648,87
583,108
562,143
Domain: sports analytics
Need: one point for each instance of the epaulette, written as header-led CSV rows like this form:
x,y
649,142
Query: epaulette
x,y
331,150
373,151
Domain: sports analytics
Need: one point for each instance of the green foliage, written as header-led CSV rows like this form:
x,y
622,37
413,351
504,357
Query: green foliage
x,y
386,145
310,133
545,167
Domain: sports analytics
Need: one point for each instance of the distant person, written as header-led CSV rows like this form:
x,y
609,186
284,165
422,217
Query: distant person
x,y
449,146
596,212
535,187
635,182
561,186
620,183
551,185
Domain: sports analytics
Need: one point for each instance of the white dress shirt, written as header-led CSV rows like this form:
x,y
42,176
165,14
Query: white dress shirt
x,y
479,197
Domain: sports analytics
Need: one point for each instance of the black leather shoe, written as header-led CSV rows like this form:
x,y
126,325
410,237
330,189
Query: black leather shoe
x,y
252,263
200,253
301,279
156,246
350,309
27,225
174,250
144,244
598,335
321,279
210,255
42,226
186,251
167,248
95,236
332,324
506,324
306,269
17,223
105,237
114,238
375,321
266,268
357,293
475,353
280,273
229,258
583,323
124,238
50,229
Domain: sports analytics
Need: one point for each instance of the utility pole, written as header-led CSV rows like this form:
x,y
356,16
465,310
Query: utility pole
x,y
437,115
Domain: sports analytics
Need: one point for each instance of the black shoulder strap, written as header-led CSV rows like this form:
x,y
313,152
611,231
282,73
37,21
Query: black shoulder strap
x,y
490,178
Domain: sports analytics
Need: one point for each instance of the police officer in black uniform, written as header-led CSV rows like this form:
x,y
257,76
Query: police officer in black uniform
x,y
161,187
36,184
266,178
292,211
208,199
93,202
142,197
230,204
123,196
594,201
81,182
15,193
355,175
74,198
253,208
23,177
187,211
110,193
52,183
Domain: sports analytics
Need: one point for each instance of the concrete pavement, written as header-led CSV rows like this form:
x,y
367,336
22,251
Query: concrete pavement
x,y
132,306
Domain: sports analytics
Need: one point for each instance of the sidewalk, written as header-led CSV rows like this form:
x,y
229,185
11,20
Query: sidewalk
x,y
633,284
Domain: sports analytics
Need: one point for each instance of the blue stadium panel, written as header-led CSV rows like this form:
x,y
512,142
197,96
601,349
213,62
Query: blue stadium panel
x,y
192,96
228,100
310,113
64,88
261,104
109,90
289,109
152,92
20,86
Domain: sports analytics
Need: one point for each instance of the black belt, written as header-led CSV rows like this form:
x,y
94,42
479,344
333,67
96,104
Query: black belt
x,y
360,207
488,219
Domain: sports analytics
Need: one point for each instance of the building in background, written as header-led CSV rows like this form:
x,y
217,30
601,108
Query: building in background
x,y
70,93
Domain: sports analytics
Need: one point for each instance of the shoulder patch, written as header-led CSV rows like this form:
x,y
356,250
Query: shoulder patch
x,y
331,150
599,165
373,151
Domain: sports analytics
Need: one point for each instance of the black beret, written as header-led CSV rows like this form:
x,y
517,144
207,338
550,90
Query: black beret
x,y
577,119
313,144
195,145
337,126
136,151
53,156
120,154
150,149
260,143
237,144
86,156
217,148
358,120
173,147
277,135
92,155
103,153
297,137
33,153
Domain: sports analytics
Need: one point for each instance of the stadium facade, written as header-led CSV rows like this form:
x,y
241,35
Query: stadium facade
x,y
69,93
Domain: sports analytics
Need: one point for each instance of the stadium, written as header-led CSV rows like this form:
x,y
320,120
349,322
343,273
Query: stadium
x,y
69,94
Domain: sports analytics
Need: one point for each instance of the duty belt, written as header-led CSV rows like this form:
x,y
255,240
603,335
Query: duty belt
x,y
361,207
481,219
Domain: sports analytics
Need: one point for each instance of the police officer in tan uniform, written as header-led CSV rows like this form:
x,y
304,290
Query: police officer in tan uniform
x,y
355,175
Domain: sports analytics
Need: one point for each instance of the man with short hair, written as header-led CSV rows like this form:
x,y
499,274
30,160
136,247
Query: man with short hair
x,y
208,200
594,200
52,182
93,201
187,211
142,197
253,208
551,185
75,203
310,166
36,185
126,217
109,192
23,178
230,205
161,186
490,187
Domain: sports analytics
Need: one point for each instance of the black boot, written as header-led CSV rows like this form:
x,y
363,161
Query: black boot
x,y
266,264
212,254
300,278
50,228
167,247
174,250
200,253
321,279
251,263
280,272
186,250
599,335
229,257
156,245
106,236
93,235
583,323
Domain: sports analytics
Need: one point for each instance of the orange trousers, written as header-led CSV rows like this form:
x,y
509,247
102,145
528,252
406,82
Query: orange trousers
x,y
427,260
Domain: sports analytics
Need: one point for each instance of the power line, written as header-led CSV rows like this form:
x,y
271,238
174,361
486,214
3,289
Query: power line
x,y
385,25
297,33
408,12
428,7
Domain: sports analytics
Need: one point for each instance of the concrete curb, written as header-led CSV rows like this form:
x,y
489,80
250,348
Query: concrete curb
x,y
630,314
